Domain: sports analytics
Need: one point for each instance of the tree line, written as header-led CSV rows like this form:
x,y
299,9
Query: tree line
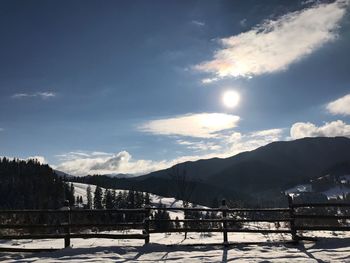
x,y
28,184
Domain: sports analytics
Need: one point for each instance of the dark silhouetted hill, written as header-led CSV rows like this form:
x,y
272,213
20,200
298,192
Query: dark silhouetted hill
x,y
258,176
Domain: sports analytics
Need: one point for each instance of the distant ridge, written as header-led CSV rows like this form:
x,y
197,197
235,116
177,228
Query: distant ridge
x,y
260,175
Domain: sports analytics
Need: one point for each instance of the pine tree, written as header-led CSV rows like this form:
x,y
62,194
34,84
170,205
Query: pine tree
x,y
30,185
98,198
177,223
131,199
108,199
114,196
147,199
89,197
119,200
71,196
139,199
159,216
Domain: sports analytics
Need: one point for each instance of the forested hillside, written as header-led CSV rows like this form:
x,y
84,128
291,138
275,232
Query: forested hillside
x,y
31,185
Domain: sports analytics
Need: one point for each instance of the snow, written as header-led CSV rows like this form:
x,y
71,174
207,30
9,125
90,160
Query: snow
x,y
346,177
80,190
336,192
299,189
173,248
331,246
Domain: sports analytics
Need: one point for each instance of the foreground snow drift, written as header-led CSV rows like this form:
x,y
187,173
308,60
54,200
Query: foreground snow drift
x,y
328,249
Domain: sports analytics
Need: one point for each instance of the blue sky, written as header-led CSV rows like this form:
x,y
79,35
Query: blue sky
x,y
136,86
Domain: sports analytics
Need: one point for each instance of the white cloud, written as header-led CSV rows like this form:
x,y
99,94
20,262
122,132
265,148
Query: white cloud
x,y
121,162
42,95
198,23
40,159
247,142
202,125
340,106
236,142
224,145
200,145
268,133
329,129
243,22
209,80
273,45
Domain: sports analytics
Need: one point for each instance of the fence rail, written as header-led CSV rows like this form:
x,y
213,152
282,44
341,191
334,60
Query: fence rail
x,y
228,220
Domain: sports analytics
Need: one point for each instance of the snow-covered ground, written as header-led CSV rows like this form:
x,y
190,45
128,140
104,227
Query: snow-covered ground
x,y
330,248
80,190
334,192
299,189
337,191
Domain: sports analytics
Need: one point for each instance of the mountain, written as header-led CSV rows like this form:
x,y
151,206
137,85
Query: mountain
x,y
280,165
62,174
120,175
258,176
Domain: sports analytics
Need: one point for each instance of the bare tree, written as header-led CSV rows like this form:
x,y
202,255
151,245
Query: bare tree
x,y
184,186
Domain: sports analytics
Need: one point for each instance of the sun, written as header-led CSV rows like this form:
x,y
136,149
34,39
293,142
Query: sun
x,y
230,98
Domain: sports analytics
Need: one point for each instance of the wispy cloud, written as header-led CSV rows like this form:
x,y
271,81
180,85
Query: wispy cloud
x,y
329,129
209,80
243,22
42,95
239,142
81,154
340,106
198,23
122,162
202,125
275,44
200,145
234,143
226,145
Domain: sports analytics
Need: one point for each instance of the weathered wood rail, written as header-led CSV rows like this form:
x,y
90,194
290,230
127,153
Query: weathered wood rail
x,y
68,224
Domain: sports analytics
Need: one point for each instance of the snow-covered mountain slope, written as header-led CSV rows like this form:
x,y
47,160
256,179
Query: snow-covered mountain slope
x,y
338,191
332,192
299,189
155,200
329,186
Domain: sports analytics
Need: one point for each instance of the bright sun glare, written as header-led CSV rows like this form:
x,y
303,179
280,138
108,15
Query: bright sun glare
x,y
230,98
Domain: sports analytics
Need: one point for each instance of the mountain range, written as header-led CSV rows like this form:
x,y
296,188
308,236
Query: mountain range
x,y
255,177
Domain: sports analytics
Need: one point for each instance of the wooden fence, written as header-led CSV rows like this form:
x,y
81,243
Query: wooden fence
x,y
67,224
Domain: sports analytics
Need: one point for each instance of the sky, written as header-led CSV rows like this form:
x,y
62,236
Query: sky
x,y
102,87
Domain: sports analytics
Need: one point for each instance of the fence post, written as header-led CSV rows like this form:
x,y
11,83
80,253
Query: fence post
x,y
146,223
295,238
224,222
67,229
